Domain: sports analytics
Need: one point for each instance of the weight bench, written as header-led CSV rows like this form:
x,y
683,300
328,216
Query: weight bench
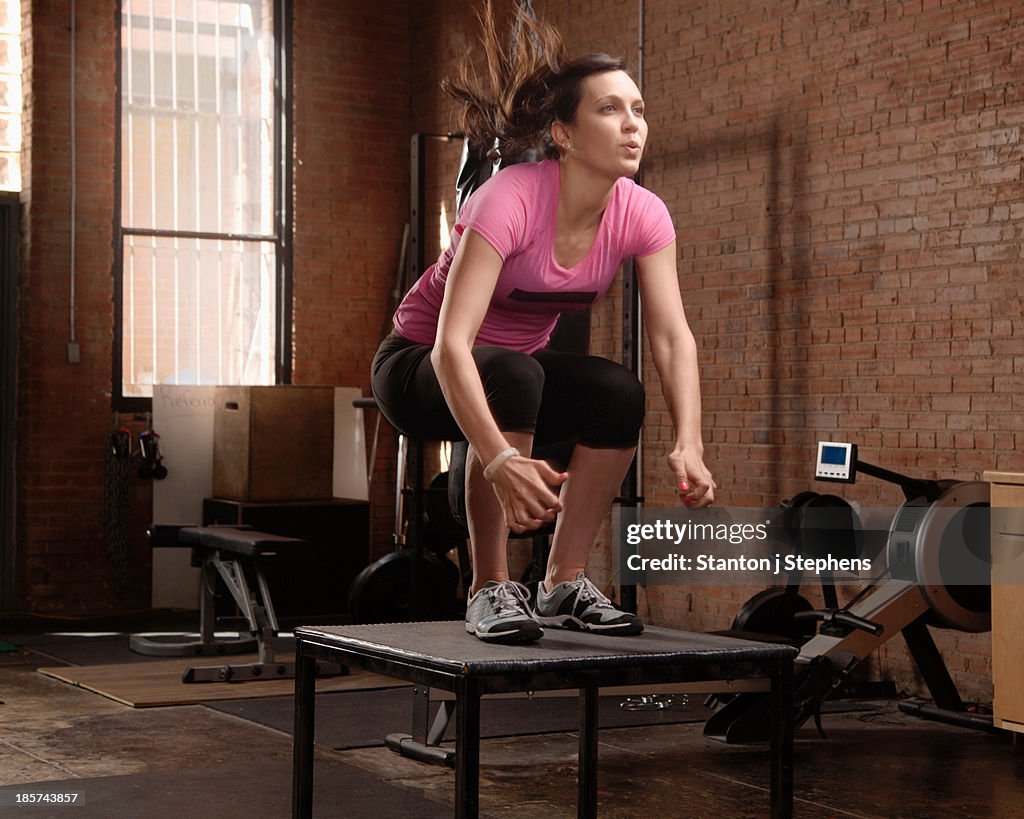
x,y
443,655
236,555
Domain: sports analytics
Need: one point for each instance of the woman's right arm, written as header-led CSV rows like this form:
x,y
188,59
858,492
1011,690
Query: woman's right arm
x,y
522,484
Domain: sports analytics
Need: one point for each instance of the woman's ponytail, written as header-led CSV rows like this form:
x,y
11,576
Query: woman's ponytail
x,y
512,103
526,88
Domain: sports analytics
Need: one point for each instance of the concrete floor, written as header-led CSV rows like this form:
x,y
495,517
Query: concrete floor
x,y
155,762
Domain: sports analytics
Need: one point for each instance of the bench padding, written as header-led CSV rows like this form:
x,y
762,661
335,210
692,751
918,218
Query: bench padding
x,y
239,541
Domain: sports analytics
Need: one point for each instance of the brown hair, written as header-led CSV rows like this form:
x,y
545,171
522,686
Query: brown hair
x,y
526,88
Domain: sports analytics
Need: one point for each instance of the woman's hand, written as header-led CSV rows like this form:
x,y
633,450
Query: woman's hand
x,y
693,479
524,488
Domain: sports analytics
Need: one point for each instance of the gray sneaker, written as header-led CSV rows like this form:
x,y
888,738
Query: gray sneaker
x,y
500,613
579,605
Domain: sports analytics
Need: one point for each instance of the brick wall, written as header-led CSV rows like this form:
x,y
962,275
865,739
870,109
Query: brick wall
x,y
846,181
64,409
351,202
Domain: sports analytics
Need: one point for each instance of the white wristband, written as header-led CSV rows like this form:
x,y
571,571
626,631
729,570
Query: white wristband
x,y
499,461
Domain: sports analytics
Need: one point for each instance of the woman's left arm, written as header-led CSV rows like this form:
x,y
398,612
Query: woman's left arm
x,y
675,356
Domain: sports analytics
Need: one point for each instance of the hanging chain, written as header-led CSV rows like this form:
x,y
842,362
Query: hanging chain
x,y
117,464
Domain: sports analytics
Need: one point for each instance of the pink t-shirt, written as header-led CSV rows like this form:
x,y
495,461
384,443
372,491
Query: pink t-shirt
x,y
515,212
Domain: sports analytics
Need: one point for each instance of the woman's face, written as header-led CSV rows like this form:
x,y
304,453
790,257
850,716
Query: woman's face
x,y
610,131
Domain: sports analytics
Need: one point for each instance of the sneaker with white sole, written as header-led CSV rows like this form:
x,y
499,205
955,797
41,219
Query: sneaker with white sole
x,y
500,613
579,605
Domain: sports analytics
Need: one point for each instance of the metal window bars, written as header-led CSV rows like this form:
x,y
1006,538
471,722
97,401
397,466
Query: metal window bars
x,y
199,234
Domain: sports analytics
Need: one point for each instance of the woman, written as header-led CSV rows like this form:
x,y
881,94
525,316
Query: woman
x,y
468,358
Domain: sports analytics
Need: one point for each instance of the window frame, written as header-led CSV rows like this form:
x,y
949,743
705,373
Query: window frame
x,y
283,224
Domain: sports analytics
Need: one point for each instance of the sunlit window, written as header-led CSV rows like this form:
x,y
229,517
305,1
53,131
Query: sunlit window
x,y
199,234
10,95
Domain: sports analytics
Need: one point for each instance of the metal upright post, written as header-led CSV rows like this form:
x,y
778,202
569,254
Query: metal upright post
x,y
632,343
414,464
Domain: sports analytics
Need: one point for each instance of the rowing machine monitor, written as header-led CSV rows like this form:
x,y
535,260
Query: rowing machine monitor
x,y
836,462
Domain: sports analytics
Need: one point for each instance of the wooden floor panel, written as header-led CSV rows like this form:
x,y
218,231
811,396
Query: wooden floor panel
x,y
158,683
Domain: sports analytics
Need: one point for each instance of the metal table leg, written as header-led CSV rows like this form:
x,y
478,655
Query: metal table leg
x,y
467,748
586,799
302,741
782,741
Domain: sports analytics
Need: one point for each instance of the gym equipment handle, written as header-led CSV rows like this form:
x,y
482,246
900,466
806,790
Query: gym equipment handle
x,y
840,617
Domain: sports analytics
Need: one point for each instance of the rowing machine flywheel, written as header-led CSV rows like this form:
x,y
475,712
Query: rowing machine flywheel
x,y
945,546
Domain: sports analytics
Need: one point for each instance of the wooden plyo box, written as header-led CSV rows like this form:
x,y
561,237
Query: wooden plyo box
x,y
1007,599
273,443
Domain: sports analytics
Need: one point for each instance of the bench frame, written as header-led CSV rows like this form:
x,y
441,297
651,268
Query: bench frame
x,y
235,555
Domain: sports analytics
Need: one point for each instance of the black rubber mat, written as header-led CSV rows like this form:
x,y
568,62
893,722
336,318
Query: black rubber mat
x,y
78,650
360,719
93,641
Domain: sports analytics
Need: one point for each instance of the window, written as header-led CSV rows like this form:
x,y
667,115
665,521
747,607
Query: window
x,y
202,281
10,95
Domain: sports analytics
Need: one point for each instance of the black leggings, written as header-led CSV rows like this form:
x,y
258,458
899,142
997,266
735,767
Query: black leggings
x,y
560,397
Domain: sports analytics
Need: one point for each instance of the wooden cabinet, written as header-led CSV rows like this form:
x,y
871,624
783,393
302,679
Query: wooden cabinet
x,y
1008,599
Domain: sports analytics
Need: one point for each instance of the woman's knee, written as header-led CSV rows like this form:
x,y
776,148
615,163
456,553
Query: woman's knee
x,y
513,383
632,399
623,404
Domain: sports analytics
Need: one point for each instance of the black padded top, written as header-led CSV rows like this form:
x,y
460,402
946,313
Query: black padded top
x,y
447,646
242,541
